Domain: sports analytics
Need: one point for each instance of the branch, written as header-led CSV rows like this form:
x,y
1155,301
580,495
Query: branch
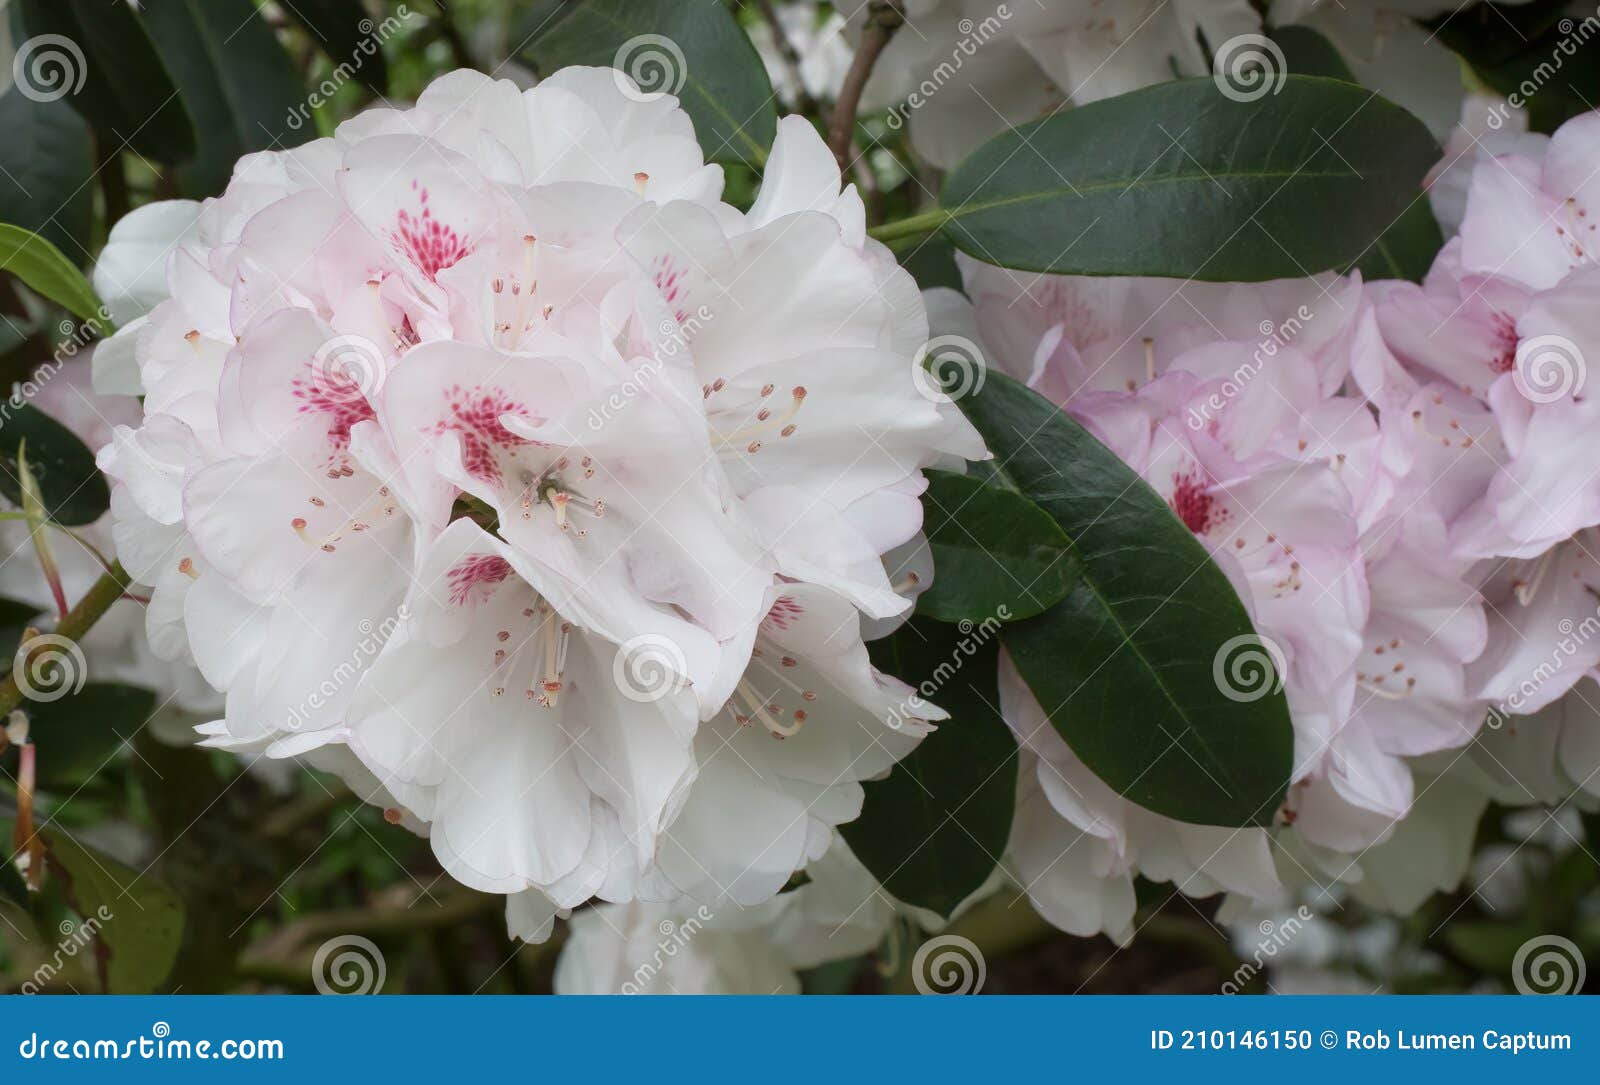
x,y
78,621
803,101
884,17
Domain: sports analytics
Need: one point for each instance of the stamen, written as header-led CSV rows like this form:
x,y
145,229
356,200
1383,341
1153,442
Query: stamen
x,y
765,421
758,706
1525,590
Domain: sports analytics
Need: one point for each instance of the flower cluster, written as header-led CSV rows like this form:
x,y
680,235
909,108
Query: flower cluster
x,y
1397,480
488,452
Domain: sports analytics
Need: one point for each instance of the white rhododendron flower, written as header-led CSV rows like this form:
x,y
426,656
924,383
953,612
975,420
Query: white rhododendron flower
x,y
116,649
692,948
484,442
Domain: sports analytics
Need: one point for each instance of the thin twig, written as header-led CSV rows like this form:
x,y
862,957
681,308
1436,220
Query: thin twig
x,y
79,620
884,17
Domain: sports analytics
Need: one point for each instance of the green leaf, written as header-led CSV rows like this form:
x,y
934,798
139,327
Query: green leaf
x,y
1528,50
995,553
1407,248
73,489
1490,946
127,93
693,48
932,262
46,166
1180,180
51,275
237,80
138,921
1134,666
343,30
77,735
1306,52
933,831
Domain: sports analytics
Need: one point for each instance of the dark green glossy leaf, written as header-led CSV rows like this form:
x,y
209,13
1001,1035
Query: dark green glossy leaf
x,y
73,489
46,164
1406,249
693,48
1180,180
137,921
933,831
79,734
1126,666
235,78
126,91
995,553
15,617
346,32
1306,52
1529,50
48,273
932,262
